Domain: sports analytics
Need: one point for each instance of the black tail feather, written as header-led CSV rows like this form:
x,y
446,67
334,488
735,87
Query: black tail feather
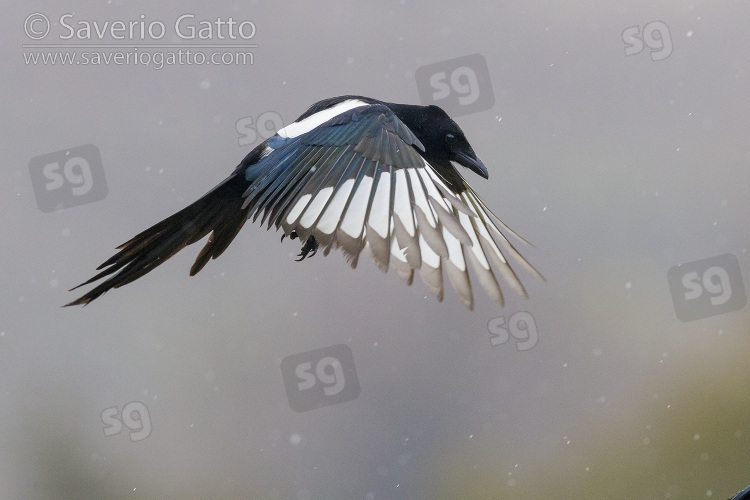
x,y
219,212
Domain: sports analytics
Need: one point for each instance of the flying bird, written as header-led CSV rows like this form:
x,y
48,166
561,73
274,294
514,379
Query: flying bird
x,y
352,173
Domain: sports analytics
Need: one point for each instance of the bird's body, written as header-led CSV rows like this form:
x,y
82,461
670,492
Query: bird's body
x,y
352,173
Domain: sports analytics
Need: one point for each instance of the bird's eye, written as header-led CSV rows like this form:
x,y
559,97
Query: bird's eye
x,y
450,138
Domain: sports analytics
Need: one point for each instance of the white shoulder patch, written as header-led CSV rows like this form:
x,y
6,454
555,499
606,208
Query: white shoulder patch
x,y
312,121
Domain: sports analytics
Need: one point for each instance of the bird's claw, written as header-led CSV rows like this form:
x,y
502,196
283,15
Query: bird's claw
x,y
292,236
310,246
309,249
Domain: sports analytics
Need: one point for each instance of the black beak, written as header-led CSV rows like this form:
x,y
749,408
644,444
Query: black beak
x,y
470,161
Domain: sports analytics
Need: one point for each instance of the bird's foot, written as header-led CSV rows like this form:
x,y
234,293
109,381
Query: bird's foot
x,y
309,249
310,246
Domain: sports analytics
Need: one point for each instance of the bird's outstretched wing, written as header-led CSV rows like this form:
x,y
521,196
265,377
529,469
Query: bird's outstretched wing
x,y
352,177
358,182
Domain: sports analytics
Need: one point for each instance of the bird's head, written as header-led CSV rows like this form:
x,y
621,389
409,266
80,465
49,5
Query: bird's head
x,y
442,138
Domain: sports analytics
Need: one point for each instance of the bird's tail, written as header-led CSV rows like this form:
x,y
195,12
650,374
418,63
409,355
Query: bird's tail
x,y
219,211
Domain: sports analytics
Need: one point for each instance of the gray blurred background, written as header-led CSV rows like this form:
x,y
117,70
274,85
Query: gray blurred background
x,y
616,167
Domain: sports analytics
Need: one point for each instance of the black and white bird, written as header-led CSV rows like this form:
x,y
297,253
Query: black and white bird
x,y
352,173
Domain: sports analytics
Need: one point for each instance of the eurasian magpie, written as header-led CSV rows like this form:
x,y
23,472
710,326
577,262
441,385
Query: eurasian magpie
x,y
352,173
